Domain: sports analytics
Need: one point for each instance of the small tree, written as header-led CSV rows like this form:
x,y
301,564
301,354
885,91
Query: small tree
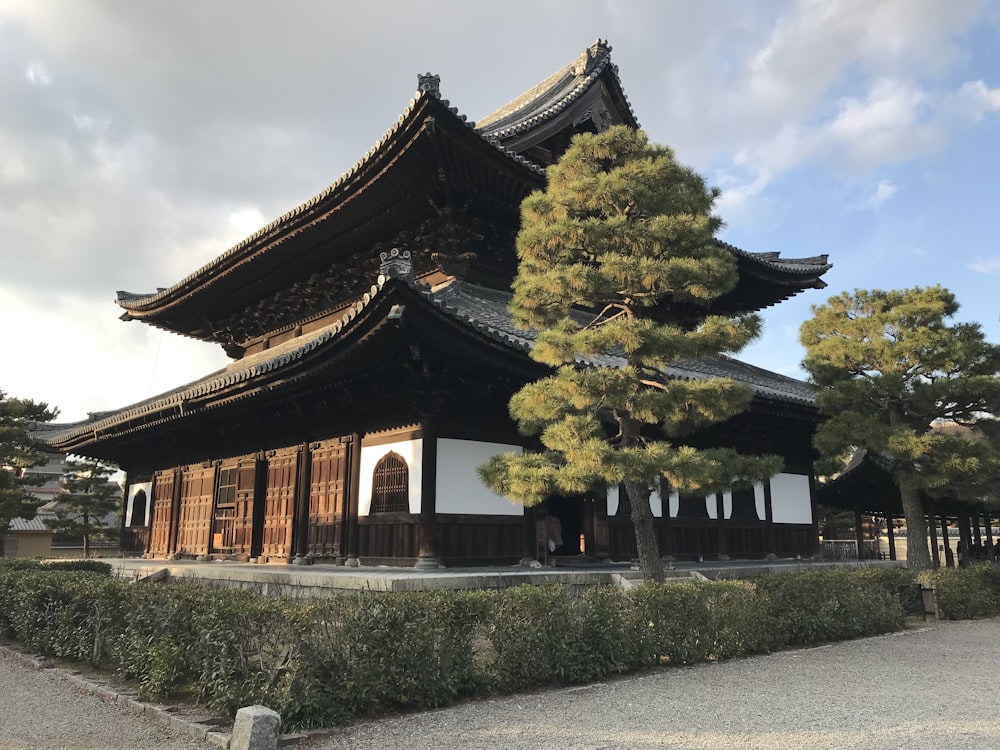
x,y
892,372
621,241
17,453
90,497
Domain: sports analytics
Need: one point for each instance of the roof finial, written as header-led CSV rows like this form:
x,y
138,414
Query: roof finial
x,y
429,83
396,264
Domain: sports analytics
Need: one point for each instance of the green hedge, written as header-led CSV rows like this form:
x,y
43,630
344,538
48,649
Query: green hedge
x,y
319,662
965,593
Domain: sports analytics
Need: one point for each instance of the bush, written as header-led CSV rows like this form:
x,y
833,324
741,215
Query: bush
x,y
966,593
324,661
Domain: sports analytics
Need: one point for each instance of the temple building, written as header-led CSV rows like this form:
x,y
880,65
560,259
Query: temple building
x,y
373,358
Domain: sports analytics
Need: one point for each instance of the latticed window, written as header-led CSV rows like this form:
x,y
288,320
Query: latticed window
x,y
691,506
744,504
624,502
391,485
227,487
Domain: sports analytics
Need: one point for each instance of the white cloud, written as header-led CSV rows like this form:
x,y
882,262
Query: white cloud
x,y
976,99
883,192
985,265
38,74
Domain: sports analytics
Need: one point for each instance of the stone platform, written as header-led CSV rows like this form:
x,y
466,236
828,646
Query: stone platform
x,y
323,579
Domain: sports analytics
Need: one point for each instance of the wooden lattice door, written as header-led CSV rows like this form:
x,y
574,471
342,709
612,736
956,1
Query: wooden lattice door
x,y
163,504
279,504
327,485
197,495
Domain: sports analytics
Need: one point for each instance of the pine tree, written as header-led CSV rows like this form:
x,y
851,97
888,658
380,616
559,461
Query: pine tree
x,y
618,263
18,452
90,497
892,371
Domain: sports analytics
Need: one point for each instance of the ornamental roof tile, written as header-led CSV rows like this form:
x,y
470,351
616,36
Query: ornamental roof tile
x,y
553,95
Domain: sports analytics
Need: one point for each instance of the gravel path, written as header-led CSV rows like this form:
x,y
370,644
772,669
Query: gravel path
x,y
39,710
933,688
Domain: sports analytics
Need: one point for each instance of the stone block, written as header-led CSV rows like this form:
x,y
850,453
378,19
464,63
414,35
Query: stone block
x,y
256,728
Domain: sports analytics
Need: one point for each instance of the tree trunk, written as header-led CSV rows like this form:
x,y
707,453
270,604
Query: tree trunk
x,y
917,556
645,532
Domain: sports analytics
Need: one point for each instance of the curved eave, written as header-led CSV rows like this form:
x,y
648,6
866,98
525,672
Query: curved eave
x,y
551,99
429,138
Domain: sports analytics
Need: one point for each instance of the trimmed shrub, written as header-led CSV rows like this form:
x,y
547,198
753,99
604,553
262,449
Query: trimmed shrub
x,y
966,593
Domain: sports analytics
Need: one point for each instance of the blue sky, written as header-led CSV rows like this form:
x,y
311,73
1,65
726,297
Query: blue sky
x,y
140,140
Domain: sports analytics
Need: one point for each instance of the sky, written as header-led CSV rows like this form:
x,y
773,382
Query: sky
x,y
138,141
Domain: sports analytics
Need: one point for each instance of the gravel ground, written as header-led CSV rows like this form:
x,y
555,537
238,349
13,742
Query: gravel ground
x,y
39,710
932,687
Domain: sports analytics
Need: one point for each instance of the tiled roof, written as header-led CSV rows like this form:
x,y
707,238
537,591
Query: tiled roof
x,y
815,264
553,95
35,524
481,309
326,198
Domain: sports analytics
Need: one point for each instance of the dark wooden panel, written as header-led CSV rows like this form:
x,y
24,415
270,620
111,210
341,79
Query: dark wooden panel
x,y
163,498
197,497
327,487
279,504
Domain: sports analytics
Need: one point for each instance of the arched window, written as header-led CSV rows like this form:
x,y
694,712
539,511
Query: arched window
x,y
744,504
391,485
691,506
138,509
624,502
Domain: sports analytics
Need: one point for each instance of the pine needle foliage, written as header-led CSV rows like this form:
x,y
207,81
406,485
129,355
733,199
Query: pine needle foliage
x,y
18,452
622,235
898,379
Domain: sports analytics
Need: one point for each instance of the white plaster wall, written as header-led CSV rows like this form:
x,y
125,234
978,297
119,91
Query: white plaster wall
x,y
459,489
412,452
655,501
790,502
132,490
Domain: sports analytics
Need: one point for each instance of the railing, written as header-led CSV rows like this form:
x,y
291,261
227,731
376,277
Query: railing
x,y
847,549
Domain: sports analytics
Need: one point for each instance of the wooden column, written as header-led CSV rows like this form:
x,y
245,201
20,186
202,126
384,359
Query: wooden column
x,y
300,520
891,534
121,526
666,537
259,506
427,529
977,537
352,502
769,519
989,536
935,556
720,525
949,557
859,535
965,539
175,510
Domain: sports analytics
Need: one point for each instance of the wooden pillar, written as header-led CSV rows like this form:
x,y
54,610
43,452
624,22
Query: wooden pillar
x,y
949,557
720,525
666,530
859,535
965,539
814,511
175,510
352,503
300,518
121,525
259,506
935,556
989,535
427,555
977,538
769,519
890,532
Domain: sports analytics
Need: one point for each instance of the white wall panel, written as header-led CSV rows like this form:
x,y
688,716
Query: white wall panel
x,y
790,502
459,489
